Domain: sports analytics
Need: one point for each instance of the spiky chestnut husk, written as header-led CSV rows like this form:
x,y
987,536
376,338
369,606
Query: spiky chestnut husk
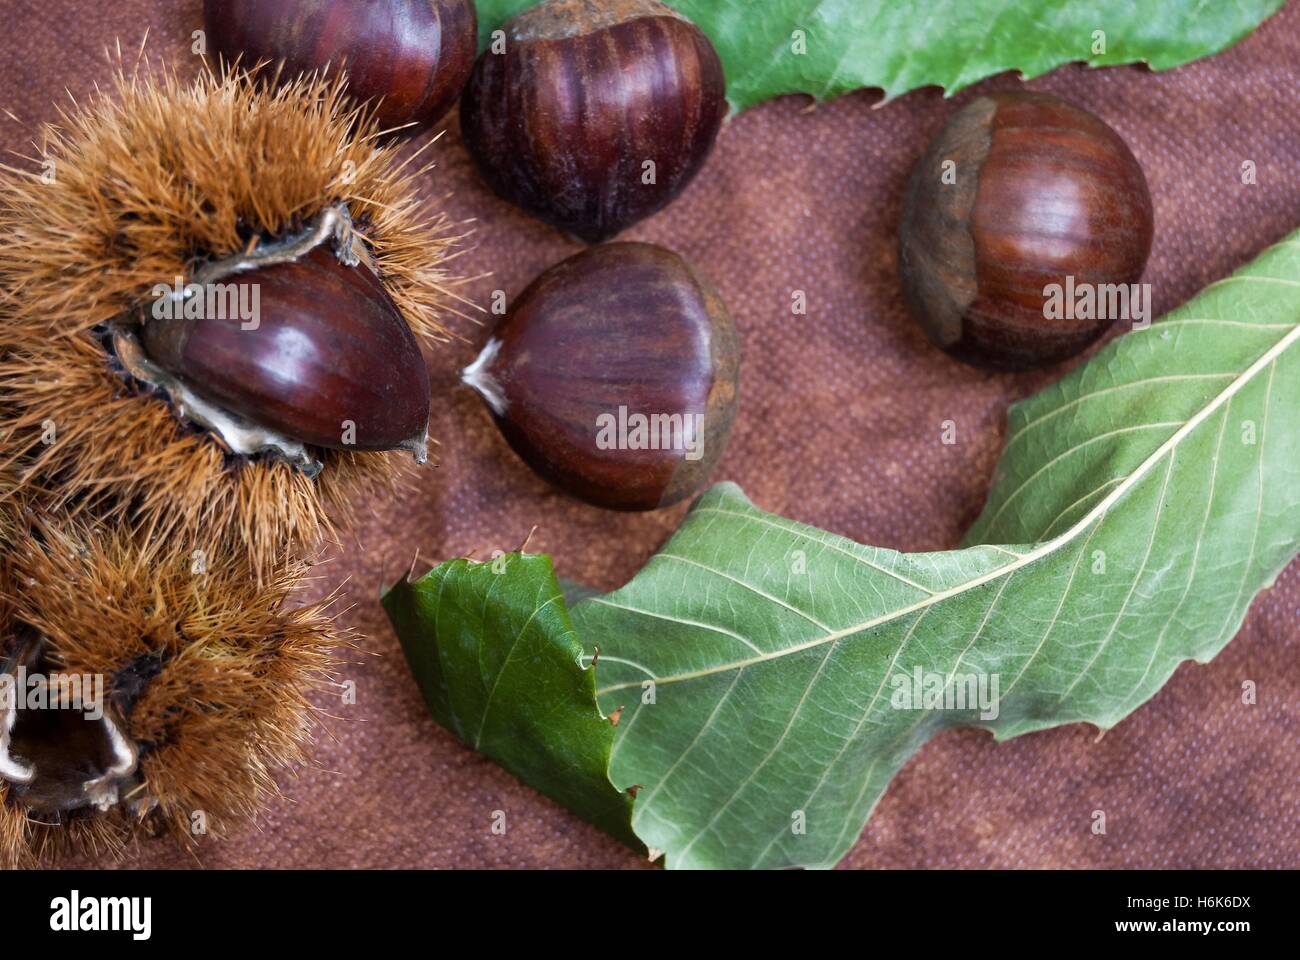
x,y
147,183
206,679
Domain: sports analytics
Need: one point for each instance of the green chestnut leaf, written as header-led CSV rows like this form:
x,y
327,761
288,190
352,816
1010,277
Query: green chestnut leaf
x,y
774,677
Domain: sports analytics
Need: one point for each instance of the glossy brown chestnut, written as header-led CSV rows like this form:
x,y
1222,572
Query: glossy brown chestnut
x,y
415,54
615,337
330,361
1038,191
594,115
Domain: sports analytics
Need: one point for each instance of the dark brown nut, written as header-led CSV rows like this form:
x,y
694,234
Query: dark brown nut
x,y
1019,192
594,115
328,359
414,54
615,376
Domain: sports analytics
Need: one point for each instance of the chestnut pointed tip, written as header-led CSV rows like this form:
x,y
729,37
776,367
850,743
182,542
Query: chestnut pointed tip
x,y
417,445
479,376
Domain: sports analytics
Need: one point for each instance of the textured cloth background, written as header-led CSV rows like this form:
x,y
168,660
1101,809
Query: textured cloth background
x,y
839,427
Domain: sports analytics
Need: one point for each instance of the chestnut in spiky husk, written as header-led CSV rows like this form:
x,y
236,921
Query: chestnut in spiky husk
x,y
324,358
594,115
141,687
1017,192
221,178
615,376
411,57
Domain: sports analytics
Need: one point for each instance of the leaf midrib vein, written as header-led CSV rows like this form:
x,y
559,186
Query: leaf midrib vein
x,y
1160,424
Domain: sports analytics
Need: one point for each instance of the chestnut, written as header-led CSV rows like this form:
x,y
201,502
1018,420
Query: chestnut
x,y
592,116
295,343
615,376
416,56
1018,193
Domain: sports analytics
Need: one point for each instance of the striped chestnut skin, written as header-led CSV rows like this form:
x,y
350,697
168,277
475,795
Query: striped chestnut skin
x,y
618,331
1042,190
329,346
565,121
415,54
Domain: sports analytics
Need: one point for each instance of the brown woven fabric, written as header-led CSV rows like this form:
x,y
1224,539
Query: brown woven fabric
x,y
839,427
